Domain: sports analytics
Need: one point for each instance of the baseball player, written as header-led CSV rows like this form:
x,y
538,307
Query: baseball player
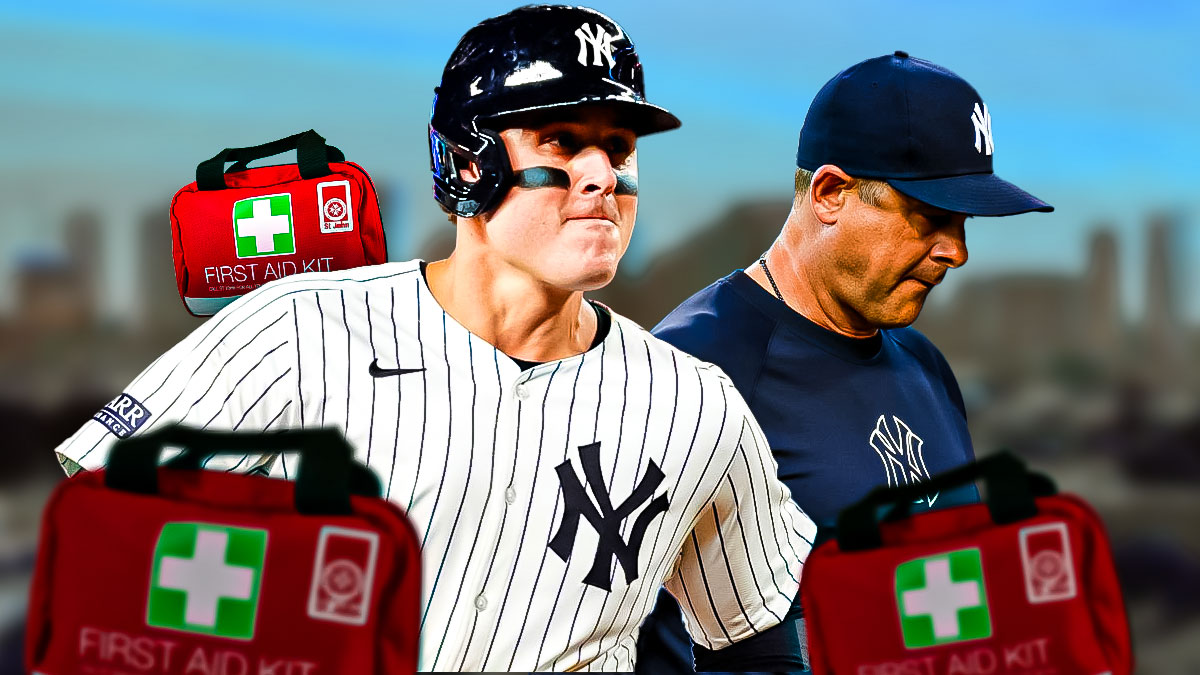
x,y
560,464
894,156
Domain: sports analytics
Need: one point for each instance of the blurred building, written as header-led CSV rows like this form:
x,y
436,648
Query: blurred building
x,y
1102,306
1163,338
163,317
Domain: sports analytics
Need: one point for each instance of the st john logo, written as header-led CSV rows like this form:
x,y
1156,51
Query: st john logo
x,y
606,520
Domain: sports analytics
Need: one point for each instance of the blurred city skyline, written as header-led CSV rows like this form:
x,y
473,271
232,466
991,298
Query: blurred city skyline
x,y
109,108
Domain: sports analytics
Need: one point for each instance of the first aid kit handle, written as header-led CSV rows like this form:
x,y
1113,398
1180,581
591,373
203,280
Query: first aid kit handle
x,y
313,155
1010,490
328,472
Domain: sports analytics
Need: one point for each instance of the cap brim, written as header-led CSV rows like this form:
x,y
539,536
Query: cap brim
x,y
979,194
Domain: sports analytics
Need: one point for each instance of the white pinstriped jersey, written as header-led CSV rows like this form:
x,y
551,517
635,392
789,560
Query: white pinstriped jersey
x,y
491,462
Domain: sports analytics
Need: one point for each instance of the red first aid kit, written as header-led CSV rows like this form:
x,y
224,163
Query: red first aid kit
x,y
232,231
1023,584
180,570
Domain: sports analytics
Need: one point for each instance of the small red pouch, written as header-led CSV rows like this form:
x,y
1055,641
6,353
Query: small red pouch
x,y
234,231
1023,584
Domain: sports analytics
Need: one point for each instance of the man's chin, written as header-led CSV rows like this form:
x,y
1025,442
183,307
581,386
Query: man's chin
x,y
596,281
901,316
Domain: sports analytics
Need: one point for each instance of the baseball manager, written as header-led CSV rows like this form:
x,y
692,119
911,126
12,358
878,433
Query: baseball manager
x,y
894,156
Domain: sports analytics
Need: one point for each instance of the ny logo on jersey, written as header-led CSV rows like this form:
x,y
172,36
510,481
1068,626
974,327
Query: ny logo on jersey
x,y
601,43
982,120
605,520
900,452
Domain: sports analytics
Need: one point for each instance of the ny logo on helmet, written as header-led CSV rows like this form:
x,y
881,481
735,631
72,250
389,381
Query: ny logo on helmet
x,y
601,43
982,120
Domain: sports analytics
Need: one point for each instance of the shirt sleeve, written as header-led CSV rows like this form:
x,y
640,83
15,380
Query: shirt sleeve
x,y
739,569
236,371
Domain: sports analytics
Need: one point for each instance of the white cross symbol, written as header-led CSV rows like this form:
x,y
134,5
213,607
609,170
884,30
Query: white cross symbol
x,y
262,226
941,598
206,578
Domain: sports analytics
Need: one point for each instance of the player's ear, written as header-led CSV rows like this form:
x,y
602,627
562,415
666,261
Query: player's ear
x,y
470,172
828,192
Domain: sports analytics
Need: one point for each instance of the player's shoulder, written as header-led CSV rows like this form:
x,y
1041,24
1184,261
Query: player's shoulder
x,y
702,373
914,343
701,310
302,289
712,321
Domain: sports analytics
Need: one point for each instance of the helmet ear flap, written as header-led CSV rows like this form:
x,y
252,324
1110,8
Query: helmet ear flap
x,y
462,197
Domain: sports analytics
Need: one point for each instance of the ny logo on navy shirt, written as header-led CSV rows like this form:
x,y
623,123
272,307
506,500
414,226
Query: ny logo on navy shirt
x,y
606,520
901,453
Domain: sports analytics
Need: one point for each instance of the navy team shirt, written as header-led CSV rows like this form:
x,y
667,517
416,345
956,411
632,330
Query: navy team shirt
x,y
843,415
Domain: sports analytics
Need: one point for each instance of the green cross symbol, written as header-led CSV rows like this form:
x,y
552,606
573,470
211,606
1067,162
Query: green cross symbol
x,y
206,579
263,226
943,599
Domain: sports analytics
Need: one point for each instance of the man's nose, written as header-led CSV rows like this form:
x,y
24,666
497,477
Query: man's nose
x,y
950,249
592,171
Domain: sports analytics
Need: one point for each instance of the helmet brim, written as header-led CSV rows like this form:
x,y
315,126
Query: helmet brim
x,y
641,117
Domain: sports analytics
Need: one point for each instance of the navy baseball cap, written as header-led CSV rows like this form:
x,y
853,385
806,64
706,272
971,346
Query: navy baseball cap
x,y
916,126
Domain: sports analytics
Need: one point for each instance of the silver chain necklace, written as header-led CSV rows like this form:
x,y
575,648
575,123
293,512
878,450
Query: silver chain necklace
x,y
763,262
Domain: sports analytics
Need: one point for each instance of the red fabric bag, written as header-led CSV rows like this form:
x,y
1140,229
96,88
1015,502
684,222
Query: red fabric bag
x,y
1023,584
177,570
234,231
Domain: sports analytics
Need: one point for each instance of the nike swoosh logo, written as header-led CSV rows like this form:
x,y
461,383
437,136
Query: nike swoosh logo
x,y
376,371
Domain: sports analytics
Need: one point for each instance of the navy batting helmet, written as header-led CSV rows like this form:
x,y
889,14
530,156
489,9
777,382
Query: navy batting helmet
x,y
531,59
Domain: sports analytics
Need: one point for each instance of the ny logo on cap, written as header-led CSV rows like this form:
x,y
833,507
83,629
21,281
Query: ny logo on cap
x,y
982,120
601,43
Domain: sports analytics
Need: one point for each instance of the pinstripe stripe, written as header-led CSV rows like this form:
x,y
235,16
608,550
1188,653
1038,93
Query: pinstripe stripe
x,y
708,644
371,342
707,588
424,397
299,372
449,435
349,372
324,357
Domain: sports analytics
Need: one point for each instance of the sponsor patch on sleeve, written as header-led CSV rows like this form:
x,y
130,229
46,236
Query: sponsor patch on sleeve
x,y
123,415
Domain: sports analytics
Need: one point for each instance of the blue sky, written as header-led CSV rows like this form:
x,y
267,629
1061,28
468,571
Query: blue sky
x,y
112,105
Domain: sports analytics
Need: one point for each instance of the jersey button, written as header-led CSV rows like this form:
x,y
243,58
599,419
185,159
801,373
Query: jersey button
x,y
480,602
510,495
522,392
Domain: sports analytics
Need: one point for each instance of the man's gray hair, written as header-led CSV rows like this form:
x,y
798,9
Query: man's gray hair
x,y
870,191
